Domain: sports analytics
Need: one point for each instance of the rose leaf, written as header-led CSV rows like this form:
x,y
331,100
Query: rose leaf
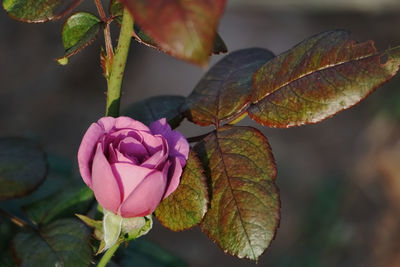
x,y
244,211
23,167
64,242
72,198
186,206
148,254
224,91
183,29
39,10
155,108
79,31
115,8
318,78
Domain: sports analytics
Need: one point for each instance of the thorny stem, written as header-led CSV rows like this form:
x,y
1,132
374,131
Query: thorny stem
x,y
107,33
118,66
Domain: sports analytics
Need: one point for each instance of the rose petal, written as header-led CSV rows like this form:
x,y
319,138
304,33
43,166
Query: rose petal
x,y
126,122
86,151
175,172
132,147
107,123
105,185
152,143
130,176
156,161
177,143
147,195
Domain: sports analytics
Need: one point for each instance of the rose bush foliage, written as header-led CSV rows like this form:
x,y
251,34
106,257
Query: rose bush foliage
x,y
131,167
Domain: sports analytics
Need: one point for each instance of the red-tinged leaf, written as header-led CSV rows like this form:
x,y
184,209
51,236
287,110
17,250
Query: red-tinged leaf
x,y
318,78
23,167
186,206
39,10
224,91
244,212
183,29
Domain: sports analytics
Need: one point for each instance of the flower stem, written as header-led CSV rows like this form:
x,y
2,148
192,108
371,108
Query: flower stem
x,y
118,65
107,255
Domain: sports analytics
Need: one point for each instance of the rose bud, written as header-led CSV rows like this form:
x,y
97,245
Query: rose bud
x,y
130,167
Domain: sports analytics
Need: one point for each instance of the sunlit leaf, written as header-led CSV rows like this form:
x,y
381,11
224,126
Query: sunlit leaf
x,y
62,243
244,212
38,10
185,207
224,91
23,167
154,108
73,198
318,78
116,9
184,29
79,31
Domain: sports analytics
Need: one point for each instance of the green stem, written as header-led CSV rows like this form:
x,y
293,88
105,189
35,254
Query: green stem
x,y
118,66
107,256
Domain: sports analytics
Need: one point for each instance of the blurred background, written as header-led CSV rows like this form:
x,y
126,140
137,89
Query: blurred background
x,y
339,180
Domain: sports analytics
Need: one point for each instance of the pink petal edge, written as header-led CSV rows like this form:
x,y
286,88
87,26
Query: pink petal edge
x,y
105,185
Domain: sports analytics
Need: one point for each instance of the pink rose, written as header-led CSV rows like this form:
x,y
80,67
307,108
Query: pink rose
x,y
131,167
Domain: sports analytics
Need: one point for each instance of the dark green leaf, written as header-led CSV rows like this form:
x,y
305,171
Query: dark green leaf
x,y
244,212
62,243
79,31
7,230
318,78
224,91
185,207
38,10
219,45
144,253
23,167
183,29
154,108
73,198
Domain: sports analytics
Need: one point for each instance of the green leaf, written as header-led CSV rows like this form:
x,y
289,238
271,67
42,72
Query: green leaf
x,y
155,108
183,29
318,78
244,212
7,230
39,10
186,206
224,91
144,253
73,198
23,167
62,243
79,30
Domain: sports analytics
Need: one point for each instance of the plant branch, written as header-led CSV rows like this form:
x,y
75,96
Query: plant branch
x,y
108,255
118,66
100,9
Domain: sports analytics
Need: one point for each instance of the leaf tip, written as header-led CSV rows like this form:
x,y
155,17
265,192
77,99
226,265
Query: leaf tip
x,y
62,61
